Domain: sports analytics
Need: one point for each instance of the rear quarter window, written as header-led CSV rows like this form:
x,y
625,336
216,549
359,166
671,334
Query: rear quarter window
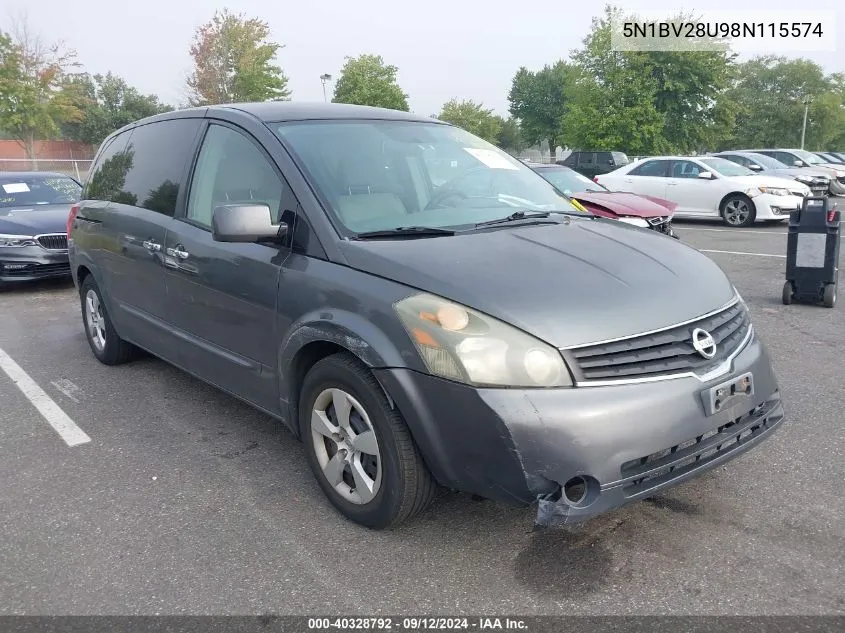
x,y
157,159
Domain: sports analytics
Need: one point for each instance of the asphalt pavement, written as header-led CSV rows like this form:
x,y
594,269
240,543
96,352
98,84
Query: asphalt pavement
x,y
186,501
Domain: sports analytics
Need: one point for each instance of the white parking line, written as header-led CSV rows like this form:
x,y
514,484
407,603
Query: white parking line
x,y
58,419
705,250
681,227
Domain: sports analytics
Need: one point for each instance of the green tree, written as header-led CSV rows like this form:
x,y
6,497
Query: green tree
x,y
233,62
367,80
510,136
33,101
107,103
612,100
472,117
538,101
769,92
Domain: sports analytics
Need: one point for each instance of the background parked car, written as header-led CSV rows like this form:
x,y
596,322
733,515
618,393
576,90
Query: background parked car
x,y
34,208
593,163
710,187
830,157
644,211
801,158
818,180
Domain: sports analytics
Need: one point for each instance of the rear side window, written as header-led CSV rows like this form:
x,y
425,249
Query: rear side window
x,y
650,168
604,158
159,155
108,174
586,158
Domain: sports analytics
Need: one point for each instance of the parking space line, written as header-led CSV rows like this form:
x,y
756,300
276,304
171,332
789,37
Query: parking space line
x,y
50,411
681,227
705,250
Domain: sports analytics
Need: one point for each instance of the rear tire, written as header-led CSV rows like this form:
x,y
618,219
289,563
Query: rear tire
x,y
738,210
788,293
380,486
106,345
829,297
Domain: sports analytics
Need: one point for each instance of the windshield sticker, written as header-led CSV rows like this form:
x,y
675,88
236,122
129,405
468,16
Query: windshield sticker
x,y
492,159
16,187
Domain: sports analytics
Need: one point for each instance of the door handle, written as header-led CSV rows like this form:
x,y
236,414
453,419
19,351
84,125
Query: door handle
x,y
178,252
151,246
671,184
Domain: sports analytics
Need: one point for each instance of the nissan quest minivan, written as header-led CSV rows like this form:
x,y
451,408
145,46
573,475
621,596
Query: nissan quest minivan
x,y
479,333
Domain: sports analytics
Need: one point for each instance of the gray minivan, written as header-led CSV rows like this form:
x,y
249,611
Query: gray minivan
x,y
478,333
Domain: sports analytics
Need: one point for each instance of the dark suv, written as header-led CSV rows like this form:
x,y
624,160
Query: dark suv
x,y
594,163
480,333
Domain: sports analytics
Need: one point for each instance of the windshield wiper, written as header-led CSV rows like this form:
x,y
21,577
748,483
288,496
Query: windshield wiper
x,y
405,231
516,217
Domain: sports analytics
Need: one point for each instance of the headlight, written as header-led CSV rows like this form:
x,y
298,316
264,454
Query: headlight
x,y
17,240
774,191
807,180
460,344
635,222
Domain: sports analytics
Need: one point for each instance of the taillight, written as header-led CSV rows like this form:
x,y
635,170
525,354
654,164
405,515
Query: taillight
x,y
596,179
71,216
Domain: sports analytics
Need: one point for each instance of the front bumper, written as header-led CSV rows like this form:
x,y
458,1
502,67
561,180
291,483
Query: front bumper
x,y
628,441
30,263
771,207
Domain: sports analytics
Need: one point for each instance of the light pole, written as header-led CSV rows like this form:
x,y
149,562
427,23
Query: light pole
x,y
326,77
807,100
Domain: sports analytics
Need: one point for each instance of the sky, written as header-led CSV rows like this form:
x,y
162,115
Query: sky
x,y
443,48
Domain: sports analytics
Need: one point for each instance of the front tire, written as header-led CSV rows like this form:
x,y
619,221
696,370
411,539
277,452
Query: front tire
x,y
738,211
106,345
360,449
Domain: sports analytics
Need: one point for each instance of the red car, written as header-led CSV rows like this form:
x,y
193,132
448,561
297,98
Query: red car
x,y
644,211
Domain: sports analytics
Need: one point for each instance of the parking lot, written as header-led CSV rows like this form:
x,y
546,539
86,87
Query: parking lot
x,y
187,501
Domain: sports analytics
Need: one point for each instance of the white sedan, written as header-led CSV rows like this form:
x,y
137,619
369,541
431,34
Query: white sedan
x,y
710,187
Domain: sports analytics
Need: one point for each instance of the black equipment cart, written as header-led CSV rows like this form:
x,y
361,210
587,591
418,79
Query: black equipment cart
x,y
812,253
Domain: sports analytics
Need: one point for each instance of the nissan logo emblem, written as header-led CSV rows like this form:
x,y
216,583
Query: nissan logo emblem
x,y
703,343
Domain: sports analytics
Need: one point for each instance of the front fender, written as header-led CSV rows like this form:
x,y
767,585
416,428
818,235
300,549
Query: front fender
x,y
378,346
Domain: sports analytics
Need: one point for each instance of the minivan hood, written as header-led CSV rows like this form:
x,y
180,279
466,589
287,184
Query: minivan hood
x,y
34,220
567,284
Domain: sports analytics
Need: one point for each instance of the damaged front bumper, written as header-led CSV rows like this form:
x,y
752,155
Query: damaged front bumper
x,y
581,451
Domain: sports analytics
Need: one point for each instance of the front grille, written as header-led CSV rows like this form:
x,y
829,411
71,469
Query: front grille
x,y
55,242
662,353
645,473
819,191
36,270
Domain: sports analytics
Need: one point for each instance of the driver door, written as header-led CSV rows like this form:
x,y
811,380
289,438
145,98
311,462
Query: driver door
x,y
694,195
223,296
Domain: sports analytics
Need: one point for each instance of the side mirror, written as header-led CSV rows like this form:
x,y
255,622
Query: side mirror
x,y
798,163
705,175
244,223
755,167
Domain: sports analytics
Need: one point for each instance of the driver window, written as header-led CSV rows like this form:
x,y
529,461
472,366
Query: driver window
x,y
231,170
685,169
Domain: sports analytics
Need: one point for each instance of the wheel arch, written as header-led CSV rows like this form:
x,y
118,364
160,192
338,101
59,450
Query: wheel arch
x,y
731,194
313,339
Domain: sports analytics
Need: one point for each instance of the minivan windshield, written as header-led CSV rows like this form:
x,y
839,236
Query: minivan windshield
x,y
382,174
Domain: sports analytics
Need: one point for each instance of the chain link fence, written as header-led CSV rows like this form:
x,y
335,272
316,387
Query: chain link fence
x,y
71,167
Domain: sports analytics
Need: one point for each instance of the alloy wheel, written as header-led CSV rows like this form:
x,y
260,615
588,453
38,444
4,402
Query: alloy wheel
x,y
346,446
95,320
737,212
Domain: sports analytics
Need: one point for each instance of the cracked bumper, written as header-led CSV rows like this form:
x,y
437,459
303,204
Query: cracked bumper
x,y
629,441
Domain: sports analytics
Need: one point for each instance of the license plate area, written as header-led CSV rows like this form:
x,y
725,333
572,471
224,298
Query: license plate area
x,y
728,394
